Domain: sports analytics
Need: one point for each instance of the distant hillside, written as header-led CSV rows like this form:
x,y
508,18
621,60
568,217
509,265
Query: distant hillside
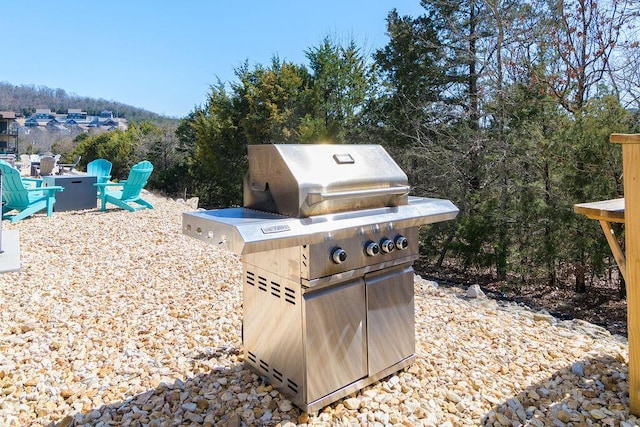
x,y
24,99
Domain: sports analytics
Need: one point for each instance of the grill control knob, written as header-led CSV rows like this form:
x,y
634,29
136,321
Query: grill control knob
x,y
387,245
372,249
338,256
402,243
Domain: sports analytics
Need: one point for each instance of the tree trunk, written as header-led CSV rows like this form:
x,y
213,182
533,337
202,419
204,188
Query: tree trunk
x,y
579,270
444,248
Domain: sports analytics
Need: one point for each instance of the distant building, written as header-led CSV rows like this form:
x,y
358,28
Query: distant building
x,y
76,114
74,119
8,133
43,113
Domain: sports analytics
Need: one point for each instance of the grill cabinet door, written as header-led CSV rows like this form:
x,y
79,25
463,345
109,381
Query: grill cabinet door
x,y
335,345
390,317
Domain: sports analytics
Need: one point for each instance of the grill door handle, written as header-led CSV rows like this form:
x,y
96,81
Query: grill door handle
x,y
315,198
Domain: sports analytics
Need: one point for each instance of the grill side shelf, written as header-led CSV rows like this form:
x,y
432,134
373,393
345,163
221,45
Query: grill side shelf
x,y
244,231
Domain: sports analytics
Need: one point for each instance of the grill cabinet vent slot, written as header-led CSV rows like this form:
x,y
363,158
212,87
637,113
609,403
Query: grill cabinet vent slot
x,y
267,285
262,283
279,376
275,289
250,278
290,295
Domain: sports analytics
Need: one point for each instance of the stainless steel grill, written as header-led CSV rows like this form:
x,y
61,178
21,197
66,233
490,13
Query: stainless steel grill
x,y
328,235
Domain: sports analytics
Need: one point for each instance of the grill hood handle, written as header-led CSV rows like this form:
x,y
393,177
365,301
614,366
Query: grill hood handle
x,y
315,198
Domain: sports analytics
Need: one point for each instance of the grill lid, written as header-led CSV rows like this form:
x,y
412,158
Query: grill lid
x,y
299,180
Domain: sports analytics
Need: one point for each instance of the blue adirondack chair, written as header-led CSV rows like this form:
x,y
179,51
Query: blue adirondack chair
x,y
131,188
101,169
27,199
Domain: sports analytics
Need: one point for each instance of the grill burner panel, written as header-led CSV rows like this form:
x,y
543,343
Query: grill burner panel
x,y
312,265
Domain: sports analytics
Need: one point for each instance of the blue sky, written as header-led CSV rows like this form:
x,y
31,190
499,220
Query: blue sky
x,y
164,56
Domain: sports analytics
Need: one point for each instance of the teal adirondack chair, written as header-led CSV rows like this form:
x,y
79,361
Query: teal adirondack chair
x,y
101,169
27,199
131,188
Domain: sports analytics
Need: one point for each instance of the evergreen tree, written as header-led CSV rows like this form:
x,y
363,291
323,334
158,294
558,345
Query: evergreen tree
x,y
341,84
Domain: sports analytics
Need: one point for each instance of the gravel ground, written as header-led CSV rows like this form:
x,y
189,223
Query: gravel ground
x,y
117,318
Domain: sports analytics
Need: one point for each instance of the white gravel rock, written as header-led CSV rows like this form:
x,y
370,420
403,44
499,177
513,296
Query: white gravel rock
x,y
474,291
117,318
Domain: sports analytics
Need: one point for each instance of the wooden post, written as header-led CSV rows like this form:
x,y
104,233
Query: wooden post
x,y
631,171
